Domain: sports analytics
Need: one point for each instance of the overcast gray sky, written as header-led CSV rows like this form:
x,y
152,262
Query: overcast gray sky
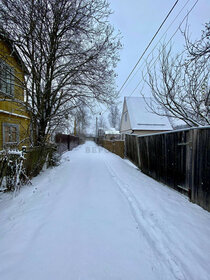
x,y
138,20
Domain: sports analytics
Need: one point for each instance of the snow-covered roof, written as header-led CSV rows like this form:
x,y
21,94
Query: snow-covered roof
x,y
141,117
14,52
112,132
13,114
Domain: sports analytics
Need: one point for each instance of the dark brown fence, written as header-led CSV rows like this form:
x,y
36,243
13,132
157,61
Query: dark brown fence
x,y
179,159
66,142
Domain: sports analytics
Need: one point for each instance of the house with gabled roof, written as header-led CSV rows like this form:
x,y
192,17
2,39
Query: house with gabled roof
x,y
137,118
14,119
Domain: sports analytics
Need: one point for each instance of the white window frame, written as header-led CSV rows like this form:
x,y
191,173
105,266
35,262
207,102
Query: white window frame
x,y
17,135
6,79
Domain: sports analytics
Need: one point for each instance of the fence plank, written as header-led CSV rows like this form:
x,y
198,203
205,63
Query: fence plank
x,y
179,159
201,168
115,146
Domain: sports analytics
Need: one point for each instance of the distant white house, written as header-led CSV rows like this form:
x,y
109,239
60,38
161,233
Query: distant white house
x,y
112,134
137,118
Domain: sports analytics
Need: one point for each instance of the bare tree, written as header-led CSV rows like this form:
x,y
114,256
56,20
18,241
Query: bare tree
x,y
70,51
82,120
102,122
200,48
180,85
114,116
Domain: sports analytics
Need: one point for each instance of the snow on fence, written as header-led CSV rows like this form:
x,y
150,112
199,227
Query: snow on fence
x,y
66,142
179,159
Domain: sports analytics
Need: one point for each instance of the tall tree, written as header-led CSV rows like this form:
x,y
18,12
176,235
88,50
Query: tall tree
x,y
70,51
82,120
114,116
102,122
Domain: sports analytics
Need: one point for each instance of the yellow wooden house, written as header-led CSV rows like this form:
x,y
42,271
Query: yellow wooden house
x,y
14,119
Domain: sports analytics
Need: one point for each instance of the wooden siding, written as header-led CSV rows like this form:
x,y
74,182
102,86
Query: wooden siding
x,y
24,125
10,109
125,126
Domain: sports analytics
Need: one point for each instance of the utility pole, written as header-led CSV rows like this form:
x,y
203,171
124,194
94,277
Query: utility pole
x,y
96,126
75,127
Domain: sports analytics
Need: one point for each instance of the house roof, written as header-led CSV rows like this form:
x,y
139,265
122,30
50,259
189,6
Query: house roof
x,y
141,117
14,52
112,130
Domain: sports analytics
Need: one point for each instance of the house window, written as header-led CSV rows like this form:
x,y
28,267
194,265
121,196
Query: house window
x,y
6,79
10,133
126,116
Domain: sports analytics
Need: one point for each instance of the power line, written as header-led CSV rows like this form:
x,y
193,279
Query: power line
x,y
166,45
158,42
148,45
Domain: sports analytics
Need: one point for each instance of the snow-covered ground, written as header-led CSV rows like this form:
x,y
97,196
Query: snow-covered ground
x,y
96,217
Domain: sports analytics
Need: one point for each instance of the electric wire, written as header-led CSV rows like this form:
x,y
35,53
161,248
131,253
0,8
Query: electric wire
x,y
156,44
148,46
165,46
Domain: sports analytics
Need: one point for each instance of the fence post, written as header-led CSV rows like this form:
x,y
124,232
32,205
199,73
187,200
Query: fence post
x,y
68,142
189,161
125,145
138,152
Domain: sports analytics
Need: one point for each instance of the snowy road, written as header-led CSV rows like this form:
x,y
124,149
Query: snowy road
x,y
96,217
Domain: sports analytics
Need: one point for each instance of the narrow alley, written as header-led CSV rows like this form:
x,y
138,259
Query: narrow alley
x,y
96,216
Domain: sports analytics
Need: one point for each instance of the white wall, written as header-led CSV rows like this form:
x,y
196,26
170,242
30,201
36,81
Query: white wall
x,y
125,125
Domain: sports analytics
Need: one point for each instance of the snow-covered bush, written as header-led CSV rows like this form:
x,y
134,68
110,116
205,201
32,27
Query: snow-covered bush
x,y
12,171
54,159
16,167
40,157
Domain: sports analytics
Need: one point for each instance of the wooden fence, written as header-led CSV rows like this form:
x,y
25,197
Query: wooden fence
x,y
179,159
66,142
114,146
36,157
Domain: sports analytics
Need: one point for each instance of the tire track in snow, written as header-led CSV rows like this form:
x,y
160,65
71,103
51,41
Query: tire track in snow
x,y
145,221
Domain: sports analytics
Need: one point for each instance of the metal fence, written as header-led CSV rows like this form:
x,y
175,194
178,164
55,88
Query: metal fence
x,y
179,159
